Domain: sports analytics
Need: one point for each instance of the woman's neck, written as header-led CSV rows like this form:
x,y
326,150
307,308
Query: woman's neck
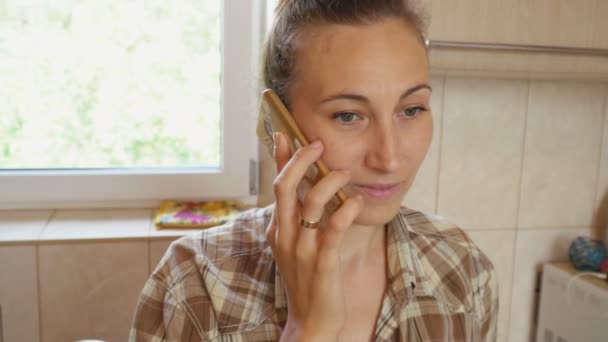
x,y
363,244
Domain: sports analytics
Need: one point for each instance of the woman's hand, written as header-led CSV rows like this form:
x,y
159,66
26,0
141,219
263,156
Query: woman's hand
x,y
309,259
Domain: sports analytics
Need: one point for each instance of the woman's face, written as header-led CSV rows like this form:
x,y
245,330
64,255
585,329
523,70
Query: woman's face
x,y
364,92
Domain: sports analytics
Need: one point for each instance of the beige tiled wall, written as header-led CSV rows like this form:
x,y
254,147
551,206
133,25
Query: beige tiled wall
x,y
603,173
563,139
68,275
89,290
482,139
19,293
601,197
519,164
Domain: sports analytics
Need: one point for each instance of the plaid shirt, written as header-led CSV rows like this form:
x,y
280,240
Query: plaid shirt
x,y
222,284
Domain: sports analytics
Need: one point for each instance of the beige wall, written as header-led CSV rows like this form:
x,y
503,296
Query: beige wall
x,y
520,165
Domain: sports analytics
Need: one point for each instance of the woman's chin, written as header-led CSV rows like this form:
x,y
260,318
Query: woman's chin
x,y
378,213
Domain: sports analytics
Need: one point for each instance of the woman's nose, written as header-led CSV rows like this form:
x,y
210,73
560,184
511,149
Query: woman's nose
x,y
383,152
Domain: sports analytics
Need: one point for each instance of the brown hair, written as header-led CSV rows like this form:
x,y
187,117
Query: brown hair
x,y
291,16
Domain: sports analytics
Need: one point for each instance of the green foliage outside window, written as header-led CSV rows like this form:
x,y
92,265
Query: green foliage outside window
x,y
109,83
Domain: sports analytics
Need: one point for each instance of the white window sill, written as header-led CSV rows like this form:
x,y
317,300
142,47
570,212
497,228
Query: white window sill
x,y
41,226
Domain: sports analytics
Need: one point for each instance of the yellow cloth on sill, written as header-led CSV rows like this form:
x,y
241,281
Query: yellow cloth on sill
x,y
184,215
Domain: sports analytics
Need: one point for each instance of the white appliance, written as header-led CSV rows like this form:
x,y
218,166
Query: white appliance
x,y
572,311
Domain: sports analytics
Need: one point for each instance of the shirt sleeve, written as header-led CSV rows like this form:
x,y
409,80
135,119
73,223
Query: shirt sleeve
x,y
148,322
158,317
487,300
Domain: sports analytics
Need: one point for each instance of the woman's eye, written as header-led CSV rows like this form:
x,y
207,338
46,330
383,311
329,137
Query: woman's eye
x,y
412,112
346,117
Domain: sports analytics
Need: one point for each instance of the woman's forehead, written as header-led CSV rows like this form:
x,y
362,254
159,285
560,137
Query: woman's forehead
x,y
331,38
382,57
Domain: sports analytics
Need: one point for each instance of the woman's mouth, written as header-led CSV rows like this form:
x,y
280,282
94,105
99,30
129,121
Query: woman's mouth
x,y
379,191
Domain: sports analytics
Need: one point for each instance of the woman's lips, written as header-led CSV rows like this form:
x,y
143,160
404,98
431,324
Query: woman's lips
x,y
380,191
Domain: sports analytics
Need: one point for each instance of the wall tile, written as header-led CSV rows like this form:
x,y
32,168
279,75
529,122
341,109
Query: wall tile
x,y
89,290
481,151
98,224
422,195
19,293
22,225
560,159
603,178
533,248
601,203
499,247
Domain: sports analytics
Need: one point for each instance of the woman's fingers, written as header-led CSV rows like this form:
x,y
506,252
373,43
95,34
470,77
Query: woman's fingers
x,y
271,230
339,222
291,170
296,166
322,192
281,152
314,206
309,259
309,244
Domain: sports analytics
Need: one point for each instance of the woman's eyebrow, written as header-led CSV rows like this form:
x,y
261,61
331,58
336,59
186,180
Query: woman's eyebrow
x,y
361,98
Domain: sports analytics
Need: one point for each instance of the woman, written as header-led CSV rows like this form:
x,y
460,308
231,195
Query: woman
x,y
355,76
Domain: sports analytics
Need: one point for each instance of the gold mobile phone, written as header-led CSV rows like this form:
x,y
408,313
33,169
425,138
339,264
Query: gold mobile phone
x,y
274,117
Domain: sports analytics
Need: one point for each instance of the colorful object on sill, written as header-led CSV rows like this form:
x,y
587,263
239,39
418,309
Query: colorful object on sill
x,y
587,254
196,215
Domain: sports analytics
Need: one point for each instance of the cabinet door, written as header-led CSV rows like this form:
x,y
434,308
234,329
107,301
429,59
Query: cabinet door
x,y
537,22
600,25
565,23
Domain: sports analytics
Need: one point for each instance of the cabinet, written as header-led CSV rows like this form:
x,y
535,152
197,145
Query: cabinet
x,y
560,23
576,311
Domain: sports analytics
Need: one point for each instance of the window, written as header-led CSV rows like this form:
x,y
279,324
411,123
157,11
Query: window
x,y
116,102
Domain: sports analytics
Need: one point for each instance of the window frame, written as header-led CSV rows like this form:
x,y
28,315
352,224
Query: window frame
x,y
236,178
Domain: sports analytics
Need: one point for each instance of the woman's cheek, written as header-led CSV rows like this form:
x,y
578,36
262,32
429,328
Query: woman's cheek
x,y
341,155
419,139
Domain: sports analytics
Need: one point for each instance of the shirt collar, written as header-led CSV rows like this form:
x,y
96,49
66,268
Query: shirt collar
x,y
400,269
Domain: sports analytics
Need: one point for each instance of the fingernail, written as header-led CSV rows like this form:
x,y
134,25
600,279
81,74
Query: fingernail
x,y
316,144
